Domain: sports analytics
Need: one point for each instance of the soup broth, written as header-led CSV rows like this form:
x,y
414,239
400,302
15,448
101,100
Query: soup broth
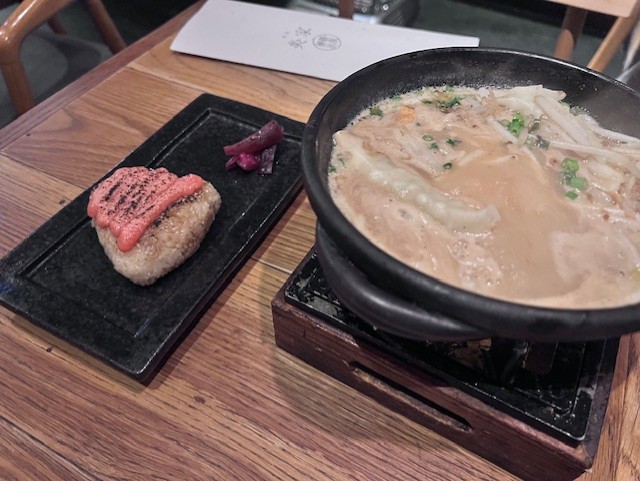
x,y
510,193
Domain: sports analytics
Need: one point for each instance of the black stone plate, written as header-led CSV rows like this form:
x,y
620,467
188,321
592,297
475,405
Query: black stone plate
x,y
60,279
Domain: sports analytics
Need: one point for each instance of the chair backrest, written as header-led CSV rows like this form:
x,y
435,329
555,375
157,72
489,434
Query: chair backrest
x,y
28,16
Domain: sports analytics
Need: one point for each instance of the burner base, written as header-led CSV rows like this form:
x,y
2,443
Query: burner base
x,y
433,401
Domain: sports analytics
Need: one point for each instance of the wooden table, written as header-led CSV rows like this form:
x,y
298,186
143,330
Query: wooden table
x,y
228,404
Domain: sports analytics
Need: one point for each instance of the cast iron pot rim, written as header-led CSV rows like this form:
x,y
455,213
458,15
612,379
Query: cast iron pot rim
x,y
482,311
382,308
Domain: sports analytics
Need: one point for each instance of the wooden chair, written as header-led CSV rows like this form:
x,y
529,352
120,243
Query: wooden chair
x,y
627,13
27,17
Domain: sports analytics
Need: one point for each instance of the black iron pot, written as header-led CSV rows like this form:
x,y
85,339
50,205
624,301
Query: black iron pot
x,y
613,104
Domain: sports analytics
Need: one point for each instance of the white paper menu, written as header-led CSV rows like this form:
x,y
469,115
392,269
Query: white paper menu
x,y
298,42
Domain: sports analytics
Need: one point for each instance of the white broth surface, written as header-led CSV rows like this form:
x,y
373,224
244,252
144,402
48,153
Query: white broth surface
x,y
510,193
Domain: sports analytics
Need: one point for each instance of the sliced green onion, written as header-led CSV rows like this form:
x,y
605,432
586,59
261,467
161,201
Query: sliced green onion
x,y
434,145
572,194
427,137
579,183
537,141
447,104
453,142
516,124
535,125
376,111
570,165
447,166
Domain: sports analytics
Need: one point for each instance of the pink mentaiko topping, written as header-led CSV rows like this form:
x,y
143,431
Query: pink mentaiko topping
x,y
133,198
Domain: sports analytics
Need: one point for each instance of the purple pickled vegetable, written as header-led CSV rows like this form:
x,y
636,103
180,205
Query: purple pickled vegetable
x,y
247,161
232,163
268,135
266,160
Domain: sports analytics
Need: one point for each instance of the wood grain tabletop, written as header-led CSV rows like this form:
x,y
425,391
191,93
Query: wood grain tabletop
x,y
227,404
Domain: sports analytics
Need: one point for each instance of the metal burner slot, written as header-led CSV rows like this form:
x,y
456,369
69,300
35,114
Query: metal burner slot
x,y
409,398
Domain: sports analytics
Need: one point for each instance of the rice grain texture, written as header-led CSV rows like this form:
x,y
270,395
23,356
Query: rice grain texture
x,y
168,242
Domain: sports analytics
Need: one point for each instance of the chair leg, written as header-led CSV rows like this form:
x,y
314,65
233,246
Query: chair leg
x,y
105,25
611,43
632,48
56,26
346,8
18,86
572,25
